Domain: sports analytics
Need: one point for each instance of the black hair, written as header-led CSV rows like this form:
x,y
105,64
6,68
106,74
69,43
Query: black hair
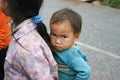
x,y
21,10
69,15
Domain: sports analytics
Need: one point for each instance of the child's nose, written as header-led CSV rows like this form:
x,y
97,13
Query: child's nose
x,y
58,40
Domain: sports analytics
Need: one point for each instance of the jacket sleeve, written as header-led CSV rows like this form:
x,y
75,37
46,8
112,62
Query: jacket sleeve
x,y
81,67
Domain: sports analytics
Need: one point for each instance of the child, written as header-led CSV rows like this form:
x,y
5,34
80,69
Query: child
x,y
4,40
65,28
29,56
4,31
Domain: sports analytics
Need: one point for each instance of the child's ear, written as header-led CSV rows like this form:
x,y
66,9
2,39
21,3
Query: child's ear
x,y
77,36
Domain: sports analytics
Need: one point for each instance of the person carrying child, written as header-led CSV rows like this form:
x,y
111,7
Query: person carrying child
x,y
29,55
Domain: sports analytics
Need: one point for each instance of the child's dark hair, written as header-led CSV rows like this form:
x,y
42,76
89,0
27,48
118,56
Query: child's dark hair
x,y
21,10
69,15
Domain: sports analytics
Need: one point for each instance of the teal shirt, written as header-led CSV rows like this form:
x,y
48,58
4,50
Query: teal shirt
x,y
72,64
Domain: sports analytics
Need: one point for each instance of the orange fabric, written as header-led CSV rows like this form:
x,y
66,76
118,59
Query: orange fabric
x,y
4,30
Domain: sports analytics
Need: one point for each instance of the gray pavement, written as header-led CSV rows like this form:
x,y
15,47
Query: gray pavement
x,y
99,38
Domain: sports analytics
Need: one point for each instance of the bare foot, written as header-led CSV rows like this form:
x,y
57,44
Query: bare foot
x,y
97,3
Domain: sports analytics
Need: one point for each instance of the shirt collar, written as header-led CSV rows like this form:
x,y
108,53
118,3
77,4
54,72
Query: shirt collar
x,y
24,28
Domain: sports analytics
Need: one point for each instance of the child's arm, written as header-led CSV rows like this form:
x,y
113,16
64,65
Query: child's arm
x,y
81,67
4,30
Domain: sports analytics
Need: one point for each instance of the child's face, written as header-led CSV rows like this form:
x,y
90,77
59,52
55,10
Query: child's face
x,y
62,36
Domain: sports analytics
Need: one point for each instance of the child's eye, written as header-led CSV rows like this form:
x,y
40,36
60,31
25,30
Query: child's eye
x,y
64,36
52,35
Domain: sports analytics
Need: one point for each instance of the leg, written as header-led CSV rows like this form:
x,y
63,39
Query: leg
x,y
2,60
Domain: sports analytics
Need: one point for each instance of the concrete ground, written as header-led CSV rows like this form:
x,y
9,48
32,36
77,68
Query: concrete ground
x,y
99,38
